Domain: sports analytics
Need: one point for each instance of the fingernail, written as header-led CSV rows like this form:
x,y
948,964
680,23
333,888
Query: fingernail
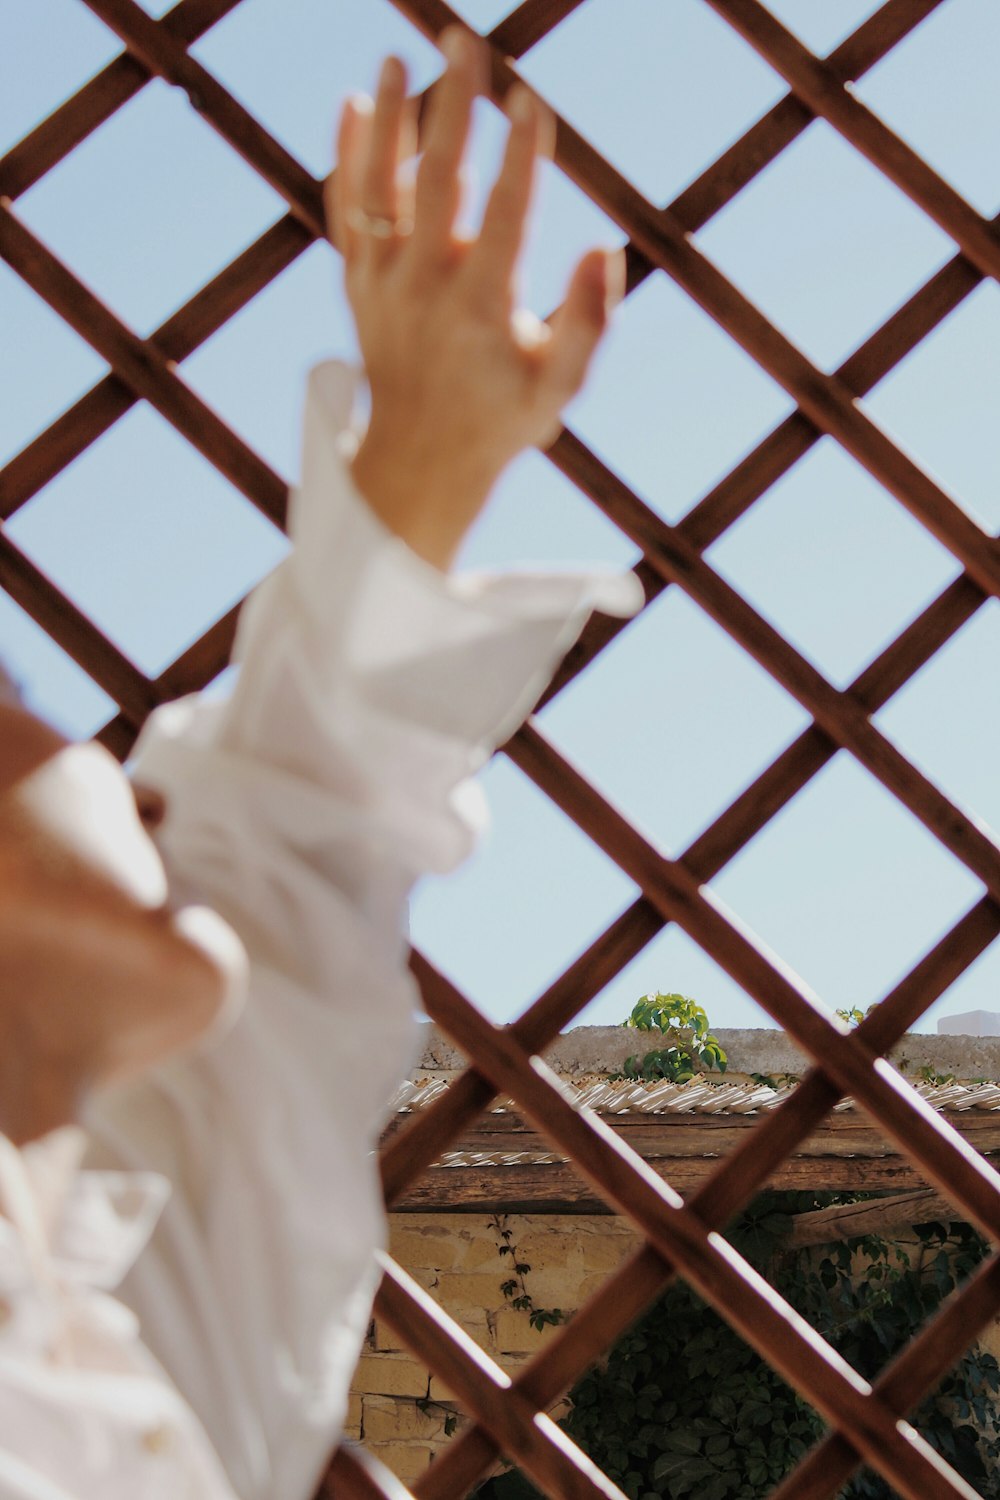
x,y
393,73
520,105
546,130
362,104
614,277
453,45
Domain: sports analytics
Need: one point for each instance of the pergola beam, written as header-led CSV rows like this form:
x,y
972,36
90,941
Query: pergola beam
x,y
847,1152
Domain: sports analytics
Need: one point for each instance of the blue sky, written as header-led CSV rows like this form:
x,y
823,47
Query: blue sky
x,y
673,720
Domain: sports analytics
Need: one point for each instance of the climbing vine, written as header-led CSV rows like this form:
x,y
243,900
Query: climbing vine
x,y
682,1407
514,1287
431,1408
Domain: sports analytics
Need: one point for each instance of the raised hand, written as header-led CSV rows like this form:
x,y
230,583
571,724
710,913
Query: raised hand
x,y
461,380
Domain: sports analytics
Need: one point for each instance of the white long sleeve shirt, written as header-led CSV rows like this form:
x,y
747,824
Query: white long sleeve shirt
x,y
231,1202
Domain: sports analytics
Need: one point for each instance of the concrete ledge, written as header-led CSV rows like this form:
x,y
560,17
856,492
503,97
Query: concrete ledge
x,y
603,1049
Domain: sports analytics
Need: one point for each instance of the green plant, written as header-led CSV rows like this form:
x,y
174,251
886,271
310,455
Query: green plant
x,y
691,1048
428,1407
514,1287
929,1074
682,1407
776,1080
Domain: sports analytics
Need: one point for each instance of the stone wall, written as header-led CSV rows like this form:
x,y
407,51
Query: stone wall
x,y
397,1407
603,1049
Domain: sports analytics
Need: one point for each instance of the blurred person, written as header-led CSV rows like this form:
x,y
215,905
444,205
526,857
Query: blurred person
x,y
209,974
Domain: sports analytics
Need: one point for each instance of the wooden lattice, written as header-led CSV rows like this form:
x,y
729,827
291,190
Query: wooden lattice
x,y
680,1236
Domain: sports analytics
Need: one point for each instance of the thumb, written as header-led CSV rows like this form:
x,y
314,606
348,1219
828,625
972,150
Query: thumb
x,y
595,288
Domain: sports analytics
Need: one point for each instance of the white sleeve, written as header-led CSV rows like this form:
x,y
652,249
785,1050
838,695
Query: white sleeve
x,y
371,687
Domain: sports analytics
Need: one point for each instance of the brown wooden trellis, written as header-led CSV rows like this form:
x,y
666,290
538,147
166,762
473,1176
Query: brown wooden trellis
x,y
679,1234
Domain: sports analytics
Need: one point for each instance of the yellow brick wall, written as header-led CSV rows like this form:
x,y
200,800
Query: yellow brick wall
x,y
455,1257
397,1409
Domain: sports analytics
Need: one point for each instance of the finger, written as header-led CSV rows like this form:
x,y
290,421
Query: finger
x,y
438,179
342,189
594,287
494,258
406,179
379,196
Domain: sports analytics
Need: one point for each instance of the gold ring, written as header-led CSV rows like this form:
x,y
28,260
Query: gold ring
x,y
378,225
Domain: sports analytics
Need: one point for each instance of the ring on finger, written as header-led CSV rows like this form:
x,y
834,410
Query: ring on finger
x,y
378,225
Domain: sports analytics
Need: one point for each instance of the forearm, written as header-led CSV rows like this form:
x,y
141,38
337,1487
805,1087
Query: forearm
x,y
393,466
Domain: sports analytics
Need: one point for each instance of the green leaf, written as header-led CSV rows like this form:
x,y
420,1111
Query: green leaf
x,y
669,1465
681,1440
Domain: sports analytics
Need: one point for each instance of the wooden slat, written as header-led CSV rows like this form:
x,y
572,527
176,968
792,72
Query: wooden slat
x,y
731,831
919,1366
232,288
819,86
837,713
415,1147
195,667
96,411
161,54
628,1293
821,397
412,1148
550,1458
71,629
532,20
857,53
719,1275
142,366
676,1136
658,239
860,372
877,35
625,1296
104,94
409,1152
354,1474
670,887
733,495
775,787
428,1488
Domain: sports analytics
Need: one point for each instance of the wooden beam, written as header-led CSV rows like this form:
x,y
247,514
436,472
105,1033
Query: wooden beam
x,y
847,1153
844,1133
882,1216
556,1188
